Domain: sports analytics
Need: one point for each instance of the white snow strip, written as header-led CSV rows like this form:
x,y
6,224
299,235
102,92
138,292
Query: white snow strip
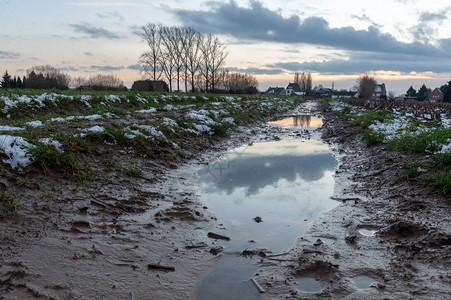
x,y
147,111
96,128
229,120
10,128
16,148
34,124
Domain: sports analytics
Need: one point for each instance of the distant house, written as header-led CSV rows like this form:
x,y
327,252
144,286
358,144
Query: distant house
x,y
325,92
436,96
275,91
380,93
293,88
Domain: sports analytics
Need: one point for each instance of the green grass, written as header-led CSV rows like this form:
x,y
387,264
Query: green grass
x,y
411,170
47,156
426,141
132,171
9,205
367,119
440,181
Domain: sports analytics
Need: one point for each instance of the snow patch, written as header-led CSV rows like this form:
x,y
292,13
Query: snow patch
x,y
16,148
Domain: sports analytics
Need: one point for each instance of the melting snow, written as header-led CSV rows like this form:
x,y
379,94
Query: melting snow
x,y
16,149
10,128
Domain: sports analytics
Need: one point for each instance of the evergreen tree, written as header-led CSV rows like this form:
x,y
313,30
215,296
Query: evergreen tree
x,y
446,89
423,92
13,84
19,83
411,92
6,81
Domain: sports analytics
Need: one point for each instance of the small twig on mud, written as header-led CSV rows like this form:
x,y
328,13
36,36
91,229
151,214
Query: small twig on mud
x,y
131,296
259,288
160,267
345,199
281,260
213,235
275,255
381,171
159,279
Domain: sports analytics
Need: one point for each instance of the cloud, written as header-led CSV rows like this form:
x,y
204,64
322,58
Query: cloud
x,y
95,32
135,67
89,54
68,68
107,68
113,15
359,63
9,55
258,23
258,71
425,29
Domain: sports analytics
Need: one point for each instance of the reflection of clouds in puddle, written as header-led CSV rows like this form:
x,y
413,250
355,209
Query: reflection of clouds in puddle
x,y
284,147
235,222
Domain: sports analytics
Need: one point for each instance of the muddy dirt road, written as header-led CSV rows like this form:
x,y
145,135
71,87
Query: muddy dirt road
x,y
147,238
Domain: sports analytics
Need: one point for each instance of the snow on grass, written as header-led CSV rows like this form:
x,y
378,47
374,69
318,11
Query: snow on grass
x,y
34,124
52,142
445,148
170,122
113,98
147,111
96,128
390,130
201,115
150,129
16,148
229,120
203,128
10,128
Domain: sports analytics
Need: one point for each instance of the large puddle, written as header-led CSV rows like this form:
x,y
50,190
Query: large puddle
x,y
265,196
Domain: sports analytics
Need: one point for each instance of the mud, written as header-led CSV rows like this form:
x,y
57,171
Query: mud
x,y
97,241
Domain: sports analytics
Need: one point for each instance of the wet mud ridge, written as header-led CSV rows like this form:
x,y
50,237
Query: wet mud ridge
x,y
391,239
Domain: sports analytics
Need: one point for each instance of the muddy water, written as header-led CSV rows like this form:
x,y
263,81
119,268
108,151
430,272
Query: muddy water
x,y
265,196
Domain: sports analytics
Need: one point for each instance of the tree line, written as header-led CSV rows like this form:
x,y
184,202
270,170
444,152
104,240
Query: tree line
x,y
423,92
48,77
184,56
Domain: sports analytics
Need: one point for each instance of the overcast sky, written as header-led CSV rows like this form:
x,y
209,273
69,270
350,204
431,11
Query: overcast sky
x,y
400,42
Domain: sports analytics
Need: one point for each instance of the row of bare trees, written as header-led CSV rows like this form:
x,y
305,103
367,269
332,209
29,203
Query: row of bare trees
x,y
305,81
182,54
234,83
99,82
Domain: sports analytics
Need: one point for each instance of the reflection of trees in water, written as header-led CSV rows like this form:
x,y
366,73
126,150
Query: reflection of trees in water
x,y
303,121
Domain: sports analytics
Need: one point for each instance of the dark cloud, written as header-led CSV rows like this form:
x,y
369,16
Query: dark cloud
x,y
136,30
88,54
107,68
95,32
9,55
359,63
262,24
258,71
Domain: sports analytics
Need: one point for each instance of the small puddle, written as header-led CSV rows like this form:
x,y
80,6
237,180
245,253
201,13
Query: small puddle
x,y
309,285
286,184
363,282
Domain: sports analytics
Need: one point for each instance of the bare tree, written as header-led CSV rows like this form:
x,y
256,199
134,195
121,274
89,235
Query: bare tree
x,y
308,83
366,86
192,44
296,78
303,82
102,82
150,59
214,55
